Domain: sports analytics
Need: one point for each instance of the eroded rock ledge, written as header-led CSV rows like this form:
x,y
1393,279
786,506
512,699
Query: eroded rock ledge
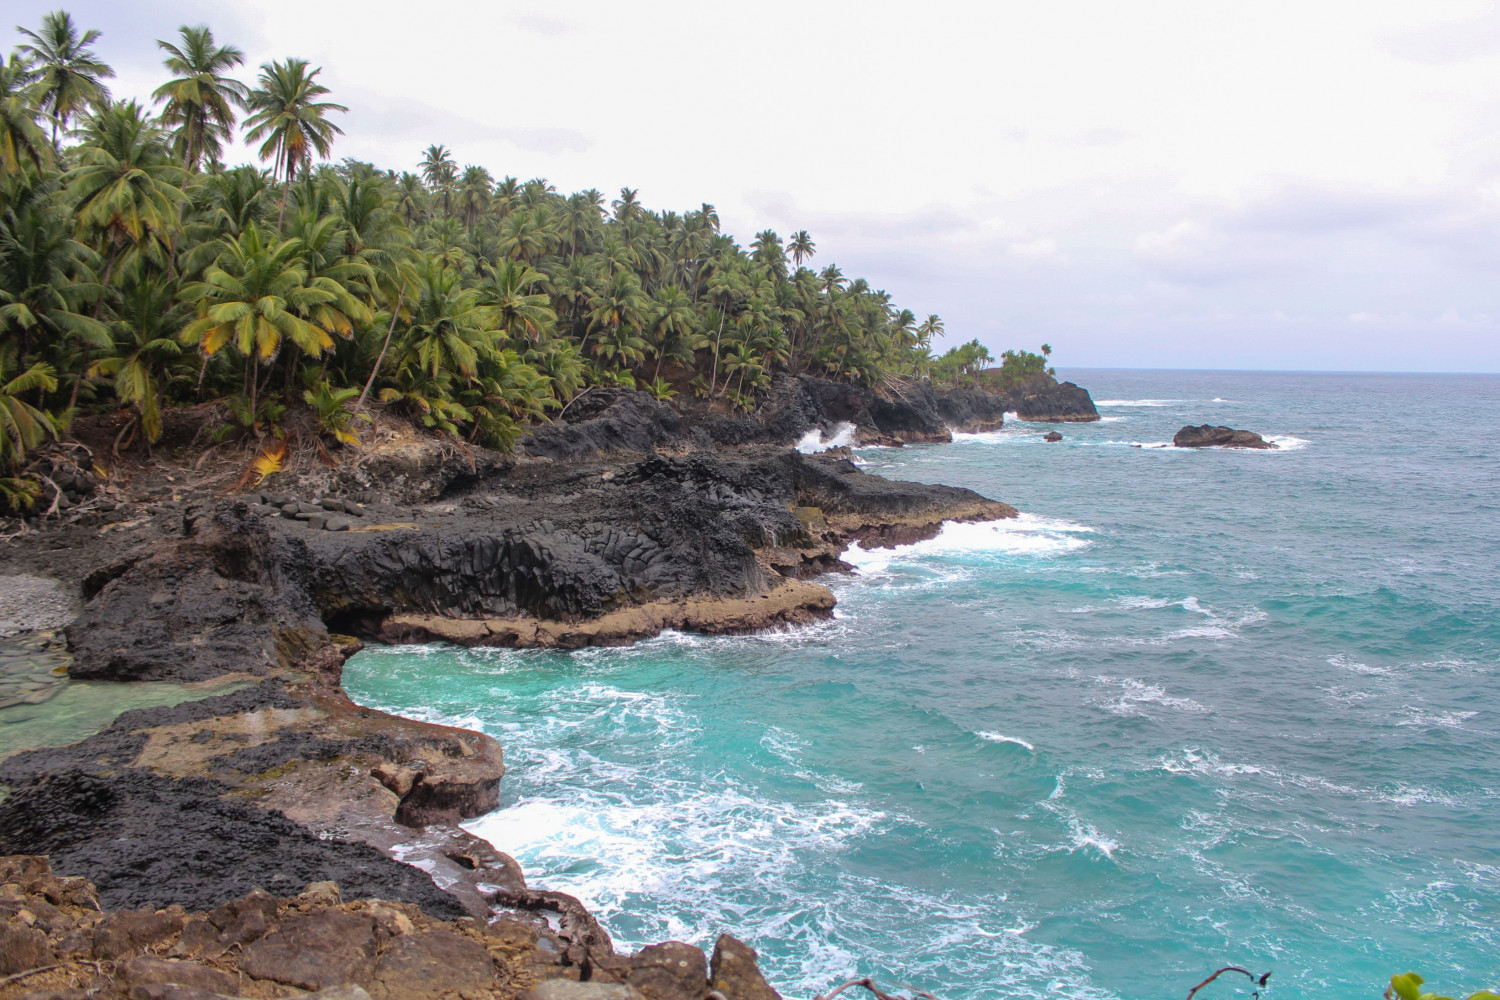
x,y
57,941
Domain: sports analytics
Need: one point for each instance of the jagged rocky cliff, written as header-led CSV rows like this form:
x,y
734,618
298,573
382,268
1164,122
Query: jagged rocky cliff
x,y
622,518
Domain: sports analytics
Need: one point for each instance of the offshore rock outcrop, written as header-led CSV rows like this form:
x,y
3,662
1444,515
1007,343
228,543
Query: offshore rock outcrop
x,y
1209,436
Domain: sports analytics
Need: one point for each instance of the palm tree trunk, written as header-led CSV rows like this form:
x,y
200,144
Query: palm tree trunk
x,y
286,184
381,360
714,373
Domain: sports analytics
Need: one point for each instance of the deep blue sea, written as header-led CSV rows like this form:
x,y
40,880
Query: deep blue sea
x,y
1193,708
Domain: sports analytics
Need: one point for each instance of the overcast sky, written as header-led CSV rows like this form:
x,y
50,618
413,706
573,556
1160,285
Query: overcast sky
x,y
1148,184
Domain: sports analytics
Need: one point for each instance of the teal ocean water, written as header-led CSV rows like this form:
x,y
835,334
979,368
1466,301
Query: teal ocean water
x,y
1191,709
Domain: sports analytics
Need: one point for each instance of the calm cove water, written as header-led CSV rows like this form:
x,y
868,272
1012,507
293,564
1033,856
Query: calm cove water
x,y
1191,709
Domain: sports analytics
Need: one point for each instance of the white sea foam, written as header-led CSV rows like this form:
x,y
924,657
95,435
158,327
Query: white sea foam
x,y
1135,402
1086,835
1195,760
1344,662
1424,719
844,435
1285,442
985,437
1002,738
1135,693
1026,535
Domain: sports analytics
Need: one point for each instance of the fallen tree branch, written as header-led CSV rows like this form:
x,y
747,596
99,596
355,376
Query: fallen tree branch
x,y
867,983
1258,981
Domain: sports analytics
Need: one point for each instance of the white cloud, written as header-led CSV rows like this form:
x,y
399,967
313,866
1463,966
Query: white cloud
x,y
1043,247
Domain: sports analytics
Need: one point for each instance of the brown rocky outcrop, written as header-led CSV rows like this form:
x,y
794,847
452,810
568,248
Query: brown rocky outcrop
x,y
55,940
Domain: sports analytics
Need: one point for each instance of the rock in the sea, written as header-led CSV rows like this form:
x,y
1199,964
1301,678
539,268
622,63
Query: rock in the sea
x,y
1209,436
1052,436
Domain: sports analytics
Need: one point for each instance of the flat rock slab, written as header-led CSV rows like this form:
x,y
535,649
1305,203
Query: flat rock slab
x,y
316,950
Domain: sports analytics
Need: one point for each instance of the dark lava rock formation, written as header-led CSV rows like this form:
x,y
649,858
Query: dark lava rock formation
x,y
624,517
1209,436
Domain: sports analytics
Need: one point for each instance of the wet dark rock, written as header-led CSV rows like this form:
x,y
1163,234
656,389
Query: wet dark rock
x,y
1053,436
149,841
1209,436
1043,399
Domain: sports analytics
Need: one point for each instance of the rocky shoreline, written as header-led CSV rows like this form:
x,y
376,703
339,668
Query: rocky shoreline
x,y
622,519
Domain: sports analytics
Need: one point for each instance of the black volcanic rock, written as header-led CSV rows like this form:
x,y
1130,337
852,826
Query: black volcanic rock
x,y
1043,399
150,841
1209,436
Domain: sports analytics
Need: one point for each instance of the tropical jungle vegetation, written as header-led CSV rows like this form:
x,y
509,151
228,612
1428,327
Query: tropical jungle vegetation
x,y
138,272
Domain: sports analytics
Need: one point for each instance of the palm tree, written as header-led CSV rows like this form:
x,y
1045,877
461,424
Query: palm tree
x,y
22,426
474,193
766,251
411,199
437,166
200,100
440,173
250,298
145,345
526,236
801,247
124,188
68,71
515,308
289,117
20,138
620,305
46,283
674,322
448,332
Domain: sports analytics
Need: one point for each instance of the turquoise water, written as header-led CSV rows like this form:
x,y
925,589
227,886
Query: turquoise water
x,y
1192,709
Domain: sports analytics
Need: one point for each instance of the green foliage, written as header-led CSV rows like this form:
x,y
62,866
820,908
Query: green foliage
x,y
331,406
962,363
22,426
1408,986
137,271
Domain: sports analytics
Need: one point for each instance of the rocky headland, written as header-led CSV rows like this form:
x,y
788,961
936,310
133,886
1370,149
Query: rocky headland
x,y
205,823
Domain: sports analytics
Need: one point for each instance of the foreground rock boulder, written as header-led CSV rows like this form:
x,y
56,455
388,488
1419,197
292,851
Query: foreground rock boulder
x,y
1209,436
56,941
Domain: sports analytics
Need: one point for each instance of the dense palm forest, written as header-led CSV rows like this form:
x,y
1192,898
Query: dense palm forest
x,y
138,272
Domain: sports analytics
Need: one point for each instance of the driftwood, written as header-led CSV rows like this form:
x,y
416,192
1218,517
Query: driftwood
x,y
1259,981
868,984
